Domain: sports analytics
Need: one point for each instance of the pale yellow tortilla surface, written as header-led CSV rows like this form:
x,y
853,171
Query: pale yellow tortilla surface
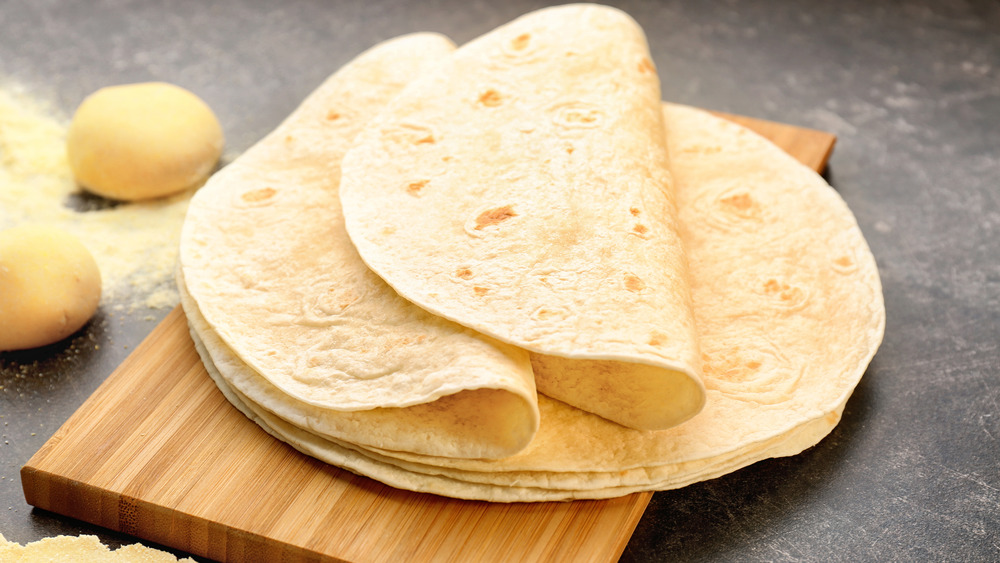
x,y
789,313
522,190
265,258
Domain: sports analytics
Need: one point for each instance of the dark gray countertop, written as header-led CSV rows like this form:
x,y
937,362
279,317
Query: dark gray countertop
x,y
912,89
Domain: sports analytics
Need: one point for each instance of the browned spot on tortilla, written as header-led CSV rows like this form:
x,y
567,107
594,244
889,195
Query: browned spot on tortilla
x,y
646,66
580,116
429,139
753,364
832,418
521,42
407,340
633,283
773,286
414,187
844,261
494,216
634,211
641,229
347,299
332,115
445,158
257,196
480,290
740,202
702,149
569,150
464,273
490,98
289,138
543,314
388,231
782,290
656,339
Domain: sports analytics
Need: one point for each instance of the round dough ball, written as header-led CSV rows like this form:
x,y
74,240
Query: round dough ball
x,y
142,141
49,286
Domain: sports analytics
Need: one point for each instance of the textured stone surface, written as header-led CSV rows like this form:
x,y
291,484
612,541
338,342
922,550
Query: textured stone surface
x,y
912,89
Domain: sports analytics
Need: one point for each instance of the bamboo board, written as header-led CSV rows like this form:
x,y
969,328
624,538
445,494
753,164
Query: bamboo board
x,y
157,452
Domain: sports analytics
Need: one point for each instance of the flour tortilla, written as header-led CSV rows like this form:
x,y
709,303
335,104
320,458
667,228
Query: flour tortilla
x,y
787,336
521,190
265,258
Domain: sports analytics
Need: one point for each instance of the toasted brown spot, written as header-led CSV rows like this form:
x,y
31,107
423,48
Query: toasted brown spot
x,y
784,291
480,291
429,139
741,202
656,339
332,115
413,188
772,286
646,66
256,196
634,211
408,340
641,229
490,98
791,294
753,364
494,216
464,273
577,115
569,150
345,299
289,138
580,116
844,261
446,158
545,314
703,149
633,283
521,42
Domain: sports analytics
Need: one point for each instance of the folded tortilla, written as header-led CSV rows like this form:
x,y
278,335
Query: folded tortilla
x,y
788,305
266,262
522,190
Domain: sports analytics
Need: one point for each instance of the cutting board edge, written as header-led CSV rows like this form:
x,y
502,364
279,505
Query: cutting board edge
x,y
158,524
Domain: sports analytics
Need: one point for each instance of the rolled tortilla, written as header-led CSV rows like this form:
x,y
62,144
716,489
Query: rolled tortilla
x,y
522,190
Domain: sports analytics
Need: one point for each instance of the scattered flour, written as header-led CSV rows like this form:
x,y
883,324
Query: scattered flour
x,y
134,244
81,548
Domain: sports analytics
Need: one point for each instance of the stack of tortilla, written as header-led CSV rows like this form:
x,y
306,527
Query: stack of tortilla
x,y
508,272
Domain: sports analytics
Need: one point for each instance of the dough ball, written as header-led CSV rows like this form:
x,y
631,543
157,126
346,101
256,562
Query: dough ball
x,y
142,141
49,286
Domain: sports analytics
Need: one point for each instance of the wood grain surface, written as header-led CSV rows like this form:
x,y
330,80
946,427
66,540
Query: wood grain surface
x,y
157,452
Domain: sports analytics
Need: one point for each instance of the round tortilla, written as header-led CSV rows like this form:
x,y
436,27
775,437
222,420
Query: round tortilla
x,y
789,311
265,258
521,190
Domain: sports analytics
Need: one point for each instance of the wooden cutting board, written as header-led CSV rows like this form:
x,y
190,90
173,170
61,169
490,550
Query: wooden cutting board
x,y
157,452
